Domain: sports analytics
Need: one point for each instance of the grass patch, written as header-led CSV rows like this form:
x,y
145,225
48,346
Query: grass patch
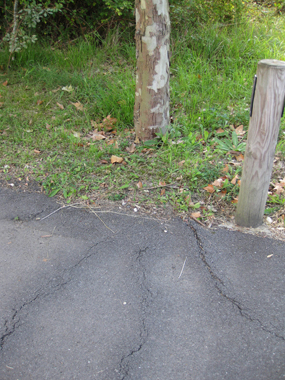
x,y
52,99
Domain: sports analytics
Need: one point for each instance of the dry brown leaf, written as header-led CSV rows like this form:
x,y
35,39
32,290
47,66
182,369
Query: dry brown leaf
x,y
37,151
235,200
54,91
181,163
162,183
94,124
137,140
218,182
139,185
239,182
132,148
240,157
5,83
196,214
60,106
104,162
234,180
48,126
226,169
239,130
220,130
209,189
278,189
162,191
96,136
78,106
116,159
39,102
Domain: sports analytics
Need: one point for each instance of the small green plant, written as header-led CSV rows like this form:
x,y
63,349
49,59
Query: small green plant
x,y
230,143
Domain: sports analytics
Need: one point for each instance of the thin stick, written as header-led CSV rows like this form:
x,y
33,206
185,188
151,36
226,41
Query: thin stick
x,y
94,212
198,221
182,267
58,210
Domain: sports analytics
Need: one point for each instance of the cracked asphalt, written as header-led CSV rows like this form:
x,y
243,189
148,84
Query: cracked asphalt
x,y
112,297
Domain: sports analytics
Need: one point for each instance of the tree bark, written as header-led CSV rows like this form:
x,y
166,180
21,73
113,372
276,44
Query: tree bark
x,y
15,26
151,111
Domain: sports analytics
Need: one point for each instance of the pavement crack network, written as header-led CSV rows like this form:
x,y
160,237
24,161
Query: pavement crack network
x,y
147,297
54,284
218,282
10,328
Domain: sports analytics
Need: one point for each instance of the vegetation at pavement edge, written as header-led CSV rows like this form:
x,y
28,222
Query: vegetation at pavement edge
x,y
66,116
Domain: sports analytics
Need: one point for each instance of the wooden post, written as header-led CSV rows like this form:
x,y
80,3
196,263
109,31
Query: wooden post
x,y
262,138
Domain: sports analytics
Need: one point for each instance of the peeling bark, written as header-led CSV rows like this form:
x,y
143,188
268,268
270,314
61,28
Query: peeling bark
x,y
151,112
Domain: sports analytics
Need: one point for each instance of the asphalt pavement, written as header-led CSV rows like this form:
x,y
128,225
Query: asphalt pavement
x,y
107,296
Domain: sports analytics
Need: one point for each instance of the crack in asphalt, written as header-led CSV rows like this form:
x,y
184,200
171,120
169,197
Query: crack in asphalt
x,y
147,298
219,282
11,326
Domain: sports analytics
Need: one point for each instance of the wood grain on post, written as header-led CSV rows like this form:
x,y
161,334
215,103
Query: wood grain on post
x,y
261,142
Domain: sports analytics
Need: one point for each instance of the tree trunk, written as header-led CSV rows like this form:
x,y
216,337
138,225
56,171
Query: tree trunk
x,y
151,112
15,27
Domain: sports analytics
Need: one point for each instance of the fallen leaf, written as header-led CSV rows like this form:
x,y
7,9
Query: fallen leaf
x,y
239,130
239,182
1,104
226,169
78,106
209,189
220,130
60,106
139,185
278,188
5,83
94,124
37,151
68,88
162,191
39,102
181,163
234,180
196,214
132,148
162,183
104,162
76,134
218,182
116,159
240,157
235,200
137,140
96,136
48,126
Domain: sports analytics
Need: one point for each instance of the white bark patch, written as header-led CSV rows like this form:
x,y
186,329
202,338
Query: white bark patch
x,y
162,7
137,16
160,78
143,6
150,39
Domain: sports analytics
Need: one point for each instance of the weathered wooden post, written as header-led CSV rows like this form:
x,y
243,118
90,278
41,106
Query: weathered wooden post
x,y
268,104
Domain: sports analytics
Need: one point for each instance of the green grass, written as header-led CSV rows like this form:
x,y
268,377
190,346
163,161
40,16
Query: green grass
x,y
45,137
